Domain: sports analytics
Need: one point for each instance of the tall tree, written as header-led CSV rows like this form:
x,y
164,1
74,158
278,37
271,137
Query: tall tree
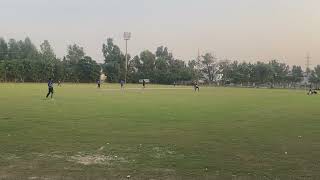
x,y
49,58
209,66
162,52
315,76
13,50
88,70
279,72
148,63
224,67
27,49
262,73
114,61
47,51
3,49
296,74
75,53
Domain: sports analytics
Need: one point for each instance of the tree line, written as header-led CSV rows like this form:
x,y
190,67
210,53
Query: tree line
x,y
22,61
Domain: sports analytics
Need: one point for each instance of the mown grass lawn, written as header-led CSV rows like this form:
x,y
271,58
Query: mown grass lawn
x,y
157,133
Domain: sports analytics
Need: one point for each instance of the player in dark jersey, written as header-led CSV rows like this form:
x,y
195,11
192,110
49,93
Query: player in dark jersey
x,y
196,87
59,83
99,83
50,88
143,83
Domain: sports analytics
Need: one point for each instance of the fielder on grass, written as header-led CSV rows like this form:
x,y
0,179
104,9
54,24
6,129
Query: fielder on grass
x,y
143,83
196,87
98,83
122,83
50,88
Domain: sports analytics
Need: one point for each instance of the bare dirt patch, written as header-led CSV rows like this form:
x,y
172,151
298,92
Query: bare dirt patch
x,y
160,152
9,157
95,159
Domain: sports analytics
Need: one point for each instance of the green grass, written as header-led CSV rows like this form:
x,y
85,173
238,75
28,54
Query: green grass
x,y
218,133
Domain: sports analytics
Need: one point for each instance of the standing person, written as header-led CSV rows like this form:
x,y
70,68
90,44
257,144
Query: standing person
x,y
174,84
143,83
50,88
122,83
99,83
59,83
196,87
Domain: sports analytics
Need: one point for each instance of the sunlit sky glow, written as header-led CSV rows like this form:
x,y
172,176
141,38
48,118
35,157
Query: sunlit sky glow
x,y
233,29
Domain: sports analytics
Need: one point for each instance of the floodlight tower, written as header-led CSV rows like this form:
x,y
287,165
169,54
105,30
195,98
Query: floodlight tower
x,y
126,36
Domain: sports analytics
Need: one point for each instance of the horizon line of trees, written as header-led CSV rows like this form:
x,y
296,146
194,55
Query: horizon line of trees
x,y
22,61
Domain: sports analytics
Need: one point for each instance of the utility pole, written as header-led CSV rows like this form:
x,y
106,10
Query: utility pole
x,y
308,57
198,65
308,64
126,36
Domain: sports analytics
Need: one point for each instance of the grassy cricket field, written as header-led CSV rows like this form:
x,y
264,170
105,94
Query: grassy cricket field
x,y
160,132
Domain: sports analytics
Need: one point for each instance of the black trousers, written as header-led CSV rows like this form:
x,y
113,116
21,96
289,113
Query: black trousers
x,y
50,91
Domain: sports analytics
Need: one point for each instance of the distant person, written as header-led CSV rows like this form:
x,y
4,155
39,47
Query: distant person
x,y
311,92
59,83
99,83
196,86
50,88
122,83
174,84
143,83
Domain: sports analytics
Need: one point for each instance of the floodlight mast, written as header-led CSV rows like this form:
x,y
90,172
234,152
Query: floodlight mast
x,y
126,36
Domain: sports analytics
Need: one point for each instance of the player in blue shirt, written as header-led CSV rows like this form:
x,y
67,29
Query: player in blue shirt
x,y
50,88
122,83
98,83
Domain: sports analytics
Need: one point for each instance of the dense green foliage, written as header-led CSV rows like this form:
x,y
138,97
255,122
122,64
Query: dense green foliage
x,y
21,61
274,73
163,68
160,67
173,133
315,76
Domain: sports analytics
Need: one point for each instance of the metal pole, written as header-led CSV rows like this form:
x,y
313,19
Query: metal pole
x,y
125,76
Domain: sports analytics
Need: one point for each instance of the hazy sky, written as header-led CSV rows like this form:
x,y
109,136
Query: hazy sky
x,y
234,29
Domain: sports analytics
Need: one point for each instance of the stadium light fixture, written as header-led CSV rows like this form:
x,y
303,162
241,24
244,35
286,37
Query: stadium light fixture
x,y
126,36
